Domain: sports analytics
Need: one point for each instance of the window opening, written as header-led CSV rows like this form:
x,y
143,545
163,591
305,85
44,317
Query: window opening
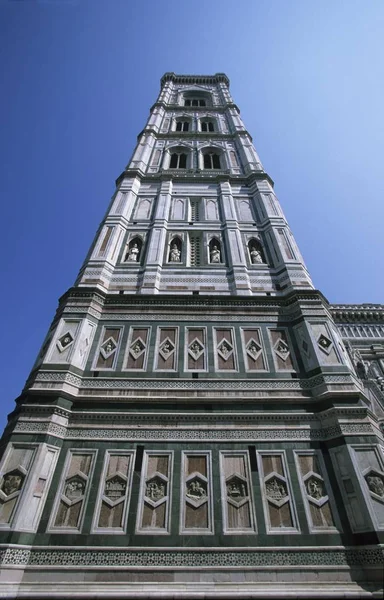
x,y
211,161
195,210
178,161
182,126
207,126
195,248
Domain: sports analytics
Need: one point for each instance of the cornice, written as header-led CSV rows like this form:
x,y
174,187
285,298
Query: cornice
x,y
354,313
190,176
195,79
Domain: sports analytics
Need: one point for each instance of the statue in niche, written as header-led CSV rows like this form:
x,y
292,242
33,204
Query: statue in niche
x,y
215,255
133,253
174,255
255,254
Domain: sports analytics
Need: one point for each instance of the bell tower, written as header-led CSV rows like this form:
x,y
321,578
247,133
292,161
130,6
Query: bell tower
x,y
195,423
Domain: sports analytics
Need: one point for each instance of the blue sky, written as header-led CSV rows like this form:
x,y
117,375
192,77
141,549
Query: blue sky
x,y
77,80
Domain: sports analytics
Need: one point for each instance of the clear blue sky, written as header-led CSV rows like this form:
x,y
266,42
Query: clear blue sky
x,y
77,80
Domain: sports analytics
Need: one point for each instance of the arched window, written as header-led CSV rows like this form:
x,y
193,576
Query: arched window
x,y
211,160
207,126
134,250
182,126
256,255
178,160
195,102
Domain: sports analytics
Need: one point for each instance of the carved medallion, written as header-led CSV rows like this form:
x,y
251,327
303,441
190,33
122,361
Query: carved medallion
x,y
12,482
315,488
115,488
375,483
74,488
155,489
276,489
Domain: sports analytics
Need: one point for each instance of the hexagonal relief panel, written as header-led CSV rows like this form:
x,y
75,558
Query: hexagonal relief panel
x,y
155,489
74,487
375,483
276,490
115,487
237,489
12,482
196,490
315,487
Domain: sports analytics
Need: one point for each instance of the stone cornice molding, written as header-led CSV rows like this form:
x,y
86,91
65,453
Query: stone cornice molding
x,y
195,79
191,175
357,313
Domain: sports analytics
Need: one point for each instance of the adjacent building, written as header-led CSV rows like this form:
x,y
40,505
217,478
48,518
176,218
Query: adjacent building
x,y
200,421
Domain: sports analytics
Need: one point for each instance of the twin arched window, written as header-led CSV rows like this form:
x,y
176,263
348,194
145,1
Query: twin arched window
x,y
212,160
207,126
182,126
178,160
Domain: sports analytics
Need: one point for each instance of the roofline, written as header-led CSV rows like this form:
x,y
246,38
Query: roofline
x,y
191,79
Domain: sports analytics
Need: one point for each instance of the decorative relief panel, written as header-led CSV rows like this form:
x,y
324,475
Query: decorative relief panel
x,y
236,493
143,208
371,470
320,512
195,349
281,350
224,349
325,347
37,489
106,357
16,466
69,507
136,355
253,350
112,508
62,347
166,354
279,507
178,209
155,494
196,493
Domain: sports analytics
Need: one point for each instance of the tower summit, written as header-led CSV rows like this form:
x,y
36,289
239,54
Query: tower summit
x,y
199,421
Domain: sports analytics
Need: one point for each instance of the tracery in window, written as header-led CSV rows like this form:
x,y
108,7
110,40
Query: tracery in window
x,y
182,126
207,126
178,160
211,160
194,102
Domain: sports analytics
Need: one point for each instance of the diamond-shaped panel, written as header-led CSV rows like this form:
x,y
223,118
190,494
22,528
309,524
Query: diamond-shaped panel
x,y
74,487
225,349
324,343
281,348
253,349
12,482
137,348
167,348
64,341
115,487
195,349
108,347
375,482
